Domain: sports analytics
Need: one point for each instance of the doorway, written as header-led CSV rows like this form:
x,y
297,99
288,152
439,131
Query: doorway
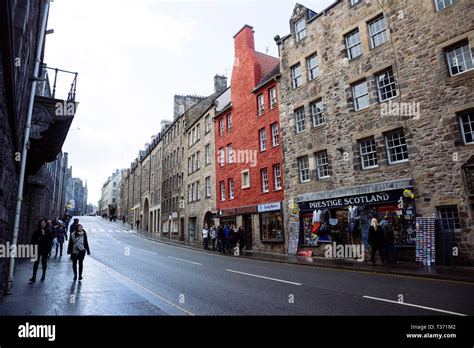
x,y
247,222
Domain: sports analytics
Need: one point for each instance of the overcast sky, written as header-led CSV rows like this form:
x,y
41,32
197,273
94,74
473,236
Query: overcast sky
x,y
134,56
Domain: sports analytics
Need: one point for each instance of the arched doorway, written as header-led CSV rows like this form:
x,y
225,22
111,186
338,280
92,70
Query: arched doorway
x,y
146,214
207,220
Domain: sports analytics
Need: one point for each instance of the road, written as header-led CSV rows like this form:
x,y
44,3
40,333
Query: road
x,y
183,281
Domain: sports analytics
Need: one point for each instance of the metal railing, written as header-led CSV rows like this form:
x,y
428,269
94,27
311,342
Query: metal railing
x,y
61,78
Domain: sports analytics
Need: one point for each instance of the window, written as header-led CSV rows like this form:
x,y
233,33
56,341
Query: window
x,y
275,140
114,184
273,97
368,153
296,78
231,188
207,122
113,200
263,139
317,112
229,122
354,2
303,165
194,135
198,160
208,186
189,165
322,165
277,177
386,85
353,45
221,127
300,119
459,58
261,104
193,190
198,131
197,192
264,178
222,191
360,93
229,154
442,4
221,156
207,153
313,67
466,121
449,216
396,147
300,29
378,31
271,226
245,179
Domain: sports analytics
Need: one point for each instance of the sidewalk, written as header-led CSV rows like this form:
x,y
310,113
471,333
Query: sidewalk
x,y
463,274
99,293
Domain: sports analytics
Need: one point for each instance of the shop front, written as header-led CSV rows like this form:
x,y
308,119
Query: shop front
x,y
271,222
344,216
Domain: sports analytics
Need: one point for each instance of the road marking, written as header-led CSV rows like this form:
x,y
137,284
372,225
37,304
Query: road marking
x,y
414,305
195,263
142,287
102,230
93,230
151,252
259,276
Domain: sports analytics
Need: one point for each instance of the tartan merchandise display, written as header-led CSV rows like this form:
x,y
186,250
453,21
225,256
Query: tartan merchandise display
x,y
425,240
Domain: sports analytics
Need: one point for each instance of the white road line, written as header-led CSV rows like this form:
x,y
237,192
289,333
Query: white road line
x,y
151,252
259,276
194,263
414,305
142,287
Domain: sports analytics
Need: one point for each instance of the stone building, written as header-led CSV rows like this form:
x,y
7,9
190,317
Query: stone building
x,y
376,101
109,194
122,199
20,33
199,154
248,170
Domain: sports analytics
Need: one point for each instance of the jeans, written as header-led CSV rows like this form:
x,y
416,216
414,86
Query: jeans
x,y
381,252
206,243
60,246
78,257
390,252
44,258
213,243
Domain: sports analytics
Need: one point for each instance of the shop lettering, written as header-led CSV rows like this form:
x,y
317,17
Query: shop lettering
x,y
357,200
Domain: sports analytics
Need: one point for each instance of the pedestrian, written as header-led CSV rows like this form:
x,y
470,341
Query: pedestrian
x,y
41,237
123,219
61,235
137,223
213,237
376,240
227,240
205,237
77,248
220,239
54,241
241,236
73,226
389,241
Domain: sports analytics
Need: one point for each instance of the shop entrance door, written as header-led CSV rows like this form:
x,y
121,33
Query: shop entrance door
x,y
191,229
247,219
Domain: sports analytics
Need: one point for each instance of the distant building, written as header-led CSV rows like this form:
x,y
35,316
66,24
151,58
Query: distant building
x,y
109,196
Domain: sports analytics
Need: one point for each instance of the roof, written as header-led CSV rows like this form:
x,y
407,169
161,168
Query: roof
x,y
267,64
265,79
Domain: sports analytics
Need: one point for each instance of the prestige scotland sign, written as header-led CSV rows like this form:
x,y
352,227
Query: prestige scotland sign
x,y
363,199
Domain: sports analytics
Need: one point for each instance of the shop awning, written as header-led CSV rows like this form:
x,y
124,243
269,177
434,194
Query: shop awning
x,y
356,190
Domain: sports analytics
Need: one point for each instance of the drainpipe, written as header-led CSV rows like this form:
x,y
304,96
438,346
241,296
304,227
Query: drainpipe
x,y
26,139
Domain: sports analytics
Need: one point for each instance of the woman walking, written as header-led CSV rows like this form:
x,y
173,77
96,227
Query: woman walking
x,y
61,235
42,237
78,246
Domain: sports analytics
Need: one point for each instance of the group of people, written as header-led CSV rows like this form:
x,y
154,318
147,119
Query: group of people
x,y
227,238
382,239
51,235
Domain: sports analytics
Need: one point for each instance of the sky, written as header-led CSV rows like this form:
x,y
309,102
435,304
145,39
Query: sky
x,y
133,56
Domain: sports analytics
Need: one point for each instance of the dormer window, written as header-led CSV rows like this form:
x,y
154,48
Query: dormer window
x,y
300,29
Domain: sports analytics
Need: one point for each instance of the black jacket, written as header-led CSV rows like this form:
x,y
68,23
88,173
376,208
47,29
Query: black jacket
x,y
42,240
376,237
71,244
388,233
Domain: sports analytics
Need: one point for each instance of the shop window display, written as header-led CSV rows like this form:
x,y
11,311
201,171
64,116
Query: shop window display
x,y
271,226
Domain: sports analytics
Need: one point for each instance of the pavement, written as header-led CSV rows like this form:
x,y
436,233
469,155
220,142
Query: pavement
x,y
127,274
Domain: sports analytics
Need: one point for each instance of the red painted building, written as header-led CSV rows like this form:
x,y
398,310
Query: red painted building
x,y
249,176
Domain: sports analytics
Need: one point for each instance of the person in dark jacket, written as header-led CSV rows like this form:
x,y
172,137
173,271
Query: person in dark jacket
x,y
73,226
77,248
61,235
241,238
42,237
220,239
389,241
376,240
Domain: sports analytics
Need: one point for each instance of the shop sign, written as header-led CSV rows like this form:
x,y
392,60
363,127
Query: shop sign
x,y
269,207
363,199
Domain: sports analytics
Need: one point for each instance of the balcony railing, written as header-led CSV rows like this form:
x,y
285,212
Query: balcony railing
x,y
62,80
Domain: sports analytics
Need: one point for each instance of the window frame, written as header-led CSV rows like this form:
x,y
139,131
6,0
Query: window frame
x,y
302,120
273,99
444,5
229,122
277,182
319,115
262,140
457,225
362,154
391,84
452,48
390,162
296,80
356,98
383,32
318,165
311,69
470,115
231,188
260,104
264,180
349,47
207,181
247,173
302,31
274,126
306,169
